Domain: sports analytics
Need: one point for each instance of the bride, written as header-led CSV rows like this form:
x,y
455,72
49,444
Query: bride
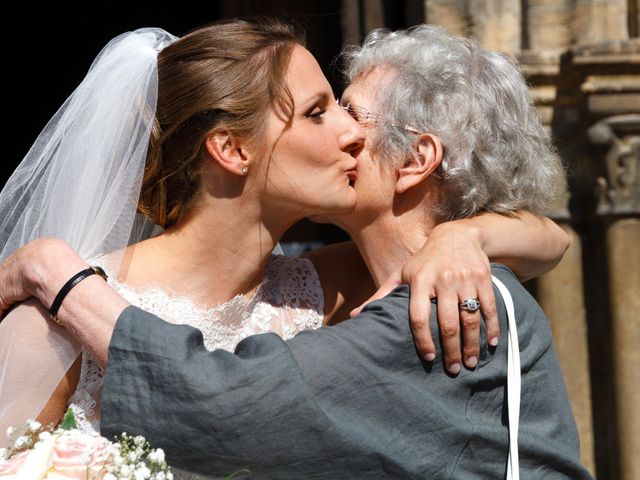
x,y
221,140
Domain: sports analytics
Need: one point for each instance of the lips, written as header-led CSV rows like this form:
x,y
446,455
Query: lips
x,y
352,176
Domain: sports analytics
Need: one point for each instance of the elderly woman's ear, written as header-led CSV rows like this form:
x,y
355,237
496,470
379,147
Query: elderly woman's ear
x,y
425,159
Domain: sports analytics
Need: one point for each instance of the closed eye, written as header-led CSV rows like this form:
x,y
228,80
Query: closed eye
x,y
316,115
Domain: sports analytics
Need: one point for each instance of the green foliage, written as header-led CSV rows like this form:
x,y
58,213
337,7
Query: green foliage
x,y
69,421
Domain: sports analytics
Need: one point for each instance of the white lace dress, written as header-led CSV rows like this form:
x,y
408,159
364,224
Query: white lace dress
x,y
288,301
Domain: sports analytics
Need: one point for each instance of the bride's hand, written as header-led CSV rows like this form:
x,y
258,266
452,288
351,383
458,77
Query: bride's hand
x,y
23,274
452,267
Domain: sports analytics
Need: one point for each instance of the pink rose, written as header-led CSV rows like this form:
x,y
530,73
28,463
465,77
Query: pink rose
x,y
11,465
78,456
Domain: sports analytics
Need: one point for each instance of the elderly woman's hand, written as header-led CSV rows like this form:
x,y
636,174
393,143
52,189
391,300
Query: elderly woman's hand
x,y
451,267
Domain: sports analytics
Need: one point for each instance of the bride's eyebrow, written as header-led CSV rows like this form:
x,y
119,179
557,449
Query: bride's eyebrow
x,y
318,97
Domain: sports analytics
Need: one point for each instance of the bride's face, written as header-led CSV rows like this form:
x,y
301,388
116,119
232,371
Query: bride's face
x,y
311,165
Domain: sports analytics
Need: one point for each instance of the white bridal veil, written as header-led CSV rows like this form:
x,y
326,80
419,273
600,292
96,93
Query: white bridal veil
x,y
80,181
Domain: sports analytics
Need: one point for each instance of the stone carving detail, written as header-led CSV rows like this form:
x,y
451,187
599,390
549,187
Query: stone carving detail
x,y
619,192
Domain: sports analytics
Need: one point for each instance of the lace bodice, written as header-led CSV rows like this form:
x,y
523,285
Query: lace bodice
x,y
288,301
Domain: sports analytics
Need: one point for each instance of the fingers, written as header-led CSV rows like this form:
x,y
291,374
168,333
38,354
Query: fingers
x,y
448,319
419,314
470,322
489,312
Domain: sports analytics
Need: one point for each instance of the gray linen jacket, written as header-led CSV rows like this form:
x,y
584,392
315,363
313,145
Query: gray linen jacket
x,y
349,401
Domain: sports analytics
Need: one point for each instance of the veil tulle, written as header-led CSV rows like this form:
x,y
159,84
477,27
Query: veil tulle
x,y
80,181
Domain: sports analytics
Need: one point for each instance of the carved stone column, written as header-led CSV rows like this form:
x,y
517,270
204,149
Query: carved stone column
x,y
450,14
561,291
619,205
495,24
548,25
561,296
596,20
623,240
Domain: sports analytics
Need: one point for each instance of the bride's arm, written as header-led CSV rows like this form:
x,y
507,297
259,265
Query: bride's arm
x,y
57,404
40,269
35,354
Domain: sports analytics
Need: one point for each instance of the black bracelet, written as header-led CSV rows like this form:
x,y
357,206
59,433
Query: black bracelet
x,y
66,288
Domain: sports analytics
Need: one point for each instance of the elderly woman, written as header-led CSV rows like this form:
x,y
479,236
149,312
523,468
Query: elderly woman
x,y
451,133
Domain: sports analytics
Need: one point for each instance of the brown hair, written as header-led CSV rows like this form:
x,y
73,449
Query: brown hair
x,y
226,74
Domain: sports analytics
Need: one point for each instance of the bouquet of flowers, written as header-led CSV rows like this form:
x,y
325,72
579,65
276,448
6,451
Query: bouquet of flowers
x,y
65,453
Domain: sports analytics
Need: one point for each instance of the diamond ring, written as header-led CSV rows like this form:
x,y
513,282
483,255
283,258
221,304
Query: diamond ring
x,y
470,304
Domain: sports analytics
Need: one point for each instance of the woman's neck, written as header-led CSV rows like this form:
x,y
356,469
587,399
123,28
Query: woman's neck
x,y
213,255
388,242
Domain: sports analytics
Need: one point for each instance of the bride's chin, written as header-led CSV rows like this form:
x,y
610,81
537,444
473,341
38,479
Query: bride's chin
x,y
328,215
348,204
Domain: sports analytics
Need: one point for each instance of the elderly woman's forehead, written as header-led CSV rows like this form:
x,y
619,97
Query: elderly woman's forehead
x,y
377,74
368,84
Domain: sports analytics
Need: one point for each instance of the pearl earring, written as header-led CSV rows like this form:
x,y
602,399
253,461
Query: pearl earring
x,y
245,170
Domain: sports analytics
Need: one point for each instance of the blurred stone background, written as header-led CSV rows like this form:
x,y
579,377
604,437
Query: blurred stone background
x,y
582,60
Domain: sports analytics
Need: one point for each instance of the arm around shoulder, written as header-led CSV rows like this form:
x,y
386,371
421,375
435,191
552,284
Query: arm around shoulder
x,y
272,402
529,244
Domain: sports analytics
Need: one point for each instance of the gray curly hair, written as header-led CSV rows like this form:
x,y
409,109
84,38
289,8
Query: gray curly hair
x,y
497,155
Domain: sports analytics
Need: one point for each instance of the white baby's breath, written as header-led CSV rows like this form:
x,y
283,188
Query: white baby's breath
x,y
125,470
21,442
156,456
33,425
142,473
128,458
133,457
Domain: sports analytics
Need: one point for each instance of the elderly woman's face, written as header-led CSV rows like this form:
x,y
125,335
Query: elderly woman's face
x,y
375,184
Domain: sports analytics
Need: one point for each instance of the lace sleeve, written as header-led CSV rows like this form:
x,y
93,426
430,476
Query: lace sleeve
x,y
85,402
293,284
